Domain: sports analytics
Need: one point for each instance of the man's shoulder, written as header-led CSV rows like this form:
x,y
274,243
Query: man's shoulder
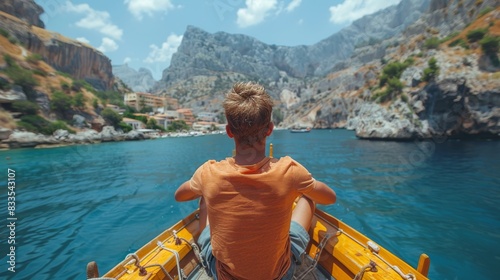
x,y
212,163
286,160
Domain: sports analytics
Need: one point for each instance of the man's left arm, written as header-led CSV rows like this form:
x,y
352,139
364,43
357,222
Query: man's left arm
x,y
185,193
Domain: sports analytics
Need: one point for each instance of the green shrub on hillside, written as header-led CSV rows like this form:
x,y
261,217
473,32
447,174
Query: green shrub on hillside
x,y
178,125
111,117
25,107
490,44
79,100
110,97
95,103
18,75
393,70
432,43
485,11
21,77
152,124
7,35
60,102
404,98
40,72
381,96
33,58
4,84
37,124
459,42
125,127
4,33
77,85
476,34
130,114
9,60
394,85
58,125
432,71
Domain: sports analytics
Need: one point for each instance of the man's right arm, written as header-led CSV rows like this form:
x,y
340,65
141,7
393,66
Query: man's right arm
x,y
184,192
322,193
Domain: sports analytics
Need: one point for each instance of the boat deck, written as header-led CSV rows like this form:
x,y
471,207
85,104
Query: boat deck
x,y
300,274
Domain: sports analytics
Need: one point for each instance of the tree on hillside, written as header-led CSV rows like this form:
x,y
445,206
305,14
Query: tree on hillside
x,y
490,46
61,102
111,117
178,125
432,71
25,107
151,124
476,34
79,101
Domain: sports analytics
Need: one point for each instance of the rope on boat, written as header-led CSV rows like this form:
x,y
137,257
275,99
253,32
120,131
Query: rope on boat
x,y
371,265
162,268
314,263
194,246
142,269
374,249
177,259
137,262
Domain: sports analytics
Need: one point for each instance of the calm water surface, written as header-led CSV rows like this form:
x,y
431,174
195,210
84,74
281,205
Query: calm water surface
x,y
100,202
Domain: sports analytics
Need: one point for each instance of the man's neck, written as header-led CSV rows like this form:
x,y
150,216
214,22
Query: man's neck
x,y
248,155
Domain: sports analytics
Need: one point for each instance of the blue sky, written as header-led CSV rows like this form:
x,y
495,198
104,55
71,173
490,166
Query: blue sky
x,y
145,33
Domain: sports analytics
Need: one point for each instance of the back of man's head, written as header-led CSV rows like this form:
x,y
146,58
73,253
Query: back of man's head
x,y
248,110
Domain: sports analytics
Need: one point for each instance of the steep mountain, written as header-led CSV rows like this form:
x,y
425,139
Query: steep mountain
x,y
201,53
66,55
459,98
138,80
346,80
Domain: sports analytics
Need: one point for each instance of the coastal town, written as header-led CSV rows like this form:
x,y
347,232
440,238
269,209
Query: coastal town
x,y
141,116
163,111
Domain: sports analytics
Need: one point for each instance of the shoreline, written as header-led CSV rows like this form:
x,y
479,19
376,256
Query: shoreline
x,y
62,138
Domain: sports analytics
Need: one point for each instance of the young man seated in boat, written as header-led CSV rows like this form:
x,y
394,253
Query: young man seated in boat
x,y
249,230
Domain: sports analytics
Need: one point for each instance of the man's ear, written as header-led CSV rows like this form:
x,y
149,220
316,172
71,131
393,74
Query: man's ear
x,y
228,131
270,129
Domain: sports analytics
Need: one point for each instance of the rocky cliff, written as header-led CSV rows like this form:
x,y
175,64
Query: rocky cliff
x,y
138,80
66,55
461,101
201,53
335,83
27,11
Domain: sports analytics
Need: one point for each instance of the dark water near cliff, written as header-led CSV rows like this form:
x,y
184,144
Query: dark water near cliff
x,y
100,202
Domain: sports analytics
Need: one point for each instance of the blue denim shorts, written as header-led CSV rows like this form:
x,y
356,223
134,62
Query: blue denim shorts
x,y
298,236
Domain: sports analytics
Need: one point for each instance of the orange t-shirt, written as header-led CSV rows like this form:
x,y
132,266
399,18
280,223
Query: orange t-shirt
x,y
249,210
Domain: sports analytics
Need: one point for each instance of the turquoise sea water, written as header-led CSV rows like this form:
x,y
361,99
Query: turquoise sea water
x,y
100,202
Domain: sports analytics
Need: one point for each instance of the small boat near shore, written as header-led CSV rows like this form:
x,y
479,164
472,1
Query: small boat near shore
x,y
300,130
336,251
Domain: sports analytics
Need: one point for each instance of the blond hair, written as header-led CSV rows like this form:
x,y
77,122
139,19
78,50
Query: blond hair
x,y
248,110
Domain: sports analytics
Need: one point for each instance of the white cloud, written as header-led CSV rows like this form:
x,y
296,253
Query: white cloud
x,y
294,4
254,12
127,60
165,52
140,7
108,45
95,20
83,40
351,10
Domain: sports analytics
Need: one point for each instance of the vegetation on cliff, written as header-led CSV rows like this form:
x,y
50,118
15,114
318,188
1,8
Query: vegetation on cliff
x,y
37,98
